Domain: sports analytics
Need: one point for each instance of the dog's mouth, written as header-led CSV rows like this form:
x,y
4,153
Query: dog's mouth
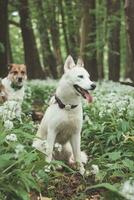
x,y
84,93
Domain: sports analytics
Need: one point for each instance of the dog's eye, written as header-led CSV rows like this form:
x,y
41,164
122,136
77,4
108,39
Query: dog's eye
x,y
80,76
22,72
15,72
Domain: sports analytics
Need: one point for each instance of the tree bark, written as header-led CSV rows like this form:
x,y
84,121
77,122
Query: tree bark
x,y
100,35
49,60
30,49
55,35
63,26
71,28
88,38
129,11
3,37
114,39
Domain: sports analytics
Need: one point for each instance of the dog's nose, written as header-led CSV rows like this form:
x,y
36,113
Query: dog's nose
x,y
93,86
20,79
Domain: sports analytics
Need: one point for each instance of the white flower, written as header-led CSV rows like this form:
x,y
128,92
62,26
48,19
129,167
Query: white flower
x,y
11,110
19,149
40,145
12,137
8,124
58,147
95,169
127,189
47,168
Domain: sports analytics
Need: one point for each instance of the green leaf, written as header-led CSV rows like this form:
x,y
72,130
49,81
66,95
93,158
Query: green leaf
x,y
5,160
129,164
107,186
113,156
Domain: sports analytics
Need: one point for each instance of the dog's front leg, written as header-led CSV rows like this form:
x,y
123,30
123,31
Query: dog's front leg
x,y
50,144
75,142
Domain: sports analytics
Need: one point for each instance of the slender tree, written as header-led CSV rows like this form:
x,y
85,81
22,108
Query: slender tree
x,y
129,10
63,24
49,59
114,39
100,35
54,30
30,49
3,37
88,38
71,28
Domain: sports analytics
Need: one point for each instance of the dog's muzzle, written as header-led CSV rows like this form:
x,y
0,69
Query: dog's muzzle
x,y
85,93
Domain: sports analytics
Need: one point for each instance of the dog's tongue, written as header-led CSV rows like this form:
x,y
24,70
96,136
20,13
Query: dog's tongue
x,y
88,97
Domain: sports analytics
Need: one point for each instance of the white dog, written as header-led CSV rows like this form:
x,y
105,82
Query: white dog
x,y
62,121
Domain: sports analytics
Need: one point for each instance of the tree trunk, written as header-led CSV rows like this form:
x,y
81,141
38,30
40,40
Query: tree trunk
x,y
129,67
71,27
129,10
55,35
3,37
63,25
88,38
9,48
49,60
114,39
30,49
100,35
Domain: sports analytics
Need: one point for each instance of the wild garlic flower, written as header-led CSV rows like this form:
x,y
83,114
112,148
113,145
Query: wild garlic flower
x,y
47,168
19,148
40,145
11,110
127,189
8,124
95,169
58,147
12,137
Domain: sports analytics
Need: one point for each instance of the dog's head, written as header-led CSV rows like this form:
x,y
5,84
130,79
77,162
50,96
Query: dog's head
x,y
3,94
17,74
79,77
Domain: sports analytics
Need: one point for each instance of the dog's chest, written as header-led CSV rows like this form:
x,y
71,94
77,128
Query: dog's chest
x,y
67,127
12,94
15,95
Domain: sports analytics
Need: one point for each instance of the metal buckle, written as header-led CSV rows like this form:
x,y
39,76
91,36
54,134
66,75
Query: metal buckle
x,y
68,107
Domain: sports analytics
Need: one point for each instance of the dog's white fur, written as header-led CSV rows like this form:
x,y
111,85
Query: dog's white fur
x,y
61,125
12,94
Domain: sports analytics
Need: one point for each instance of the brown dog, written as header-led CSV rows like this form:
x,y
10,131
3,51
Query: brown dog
x,y
14,82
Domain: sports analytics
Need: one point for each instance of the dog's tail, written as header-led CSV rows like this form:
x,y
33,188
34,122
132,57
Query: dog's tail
x,y
84,157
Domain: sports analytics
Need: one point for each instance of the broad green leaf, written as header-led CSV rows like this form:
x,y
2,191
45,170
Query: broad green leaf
x,y
129,164
5,160
113,156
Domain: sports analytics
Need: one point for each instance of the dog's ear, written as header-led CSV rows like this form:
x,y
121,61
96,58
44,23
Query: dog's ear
x,y
24,66
80,62
10,66
69,63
